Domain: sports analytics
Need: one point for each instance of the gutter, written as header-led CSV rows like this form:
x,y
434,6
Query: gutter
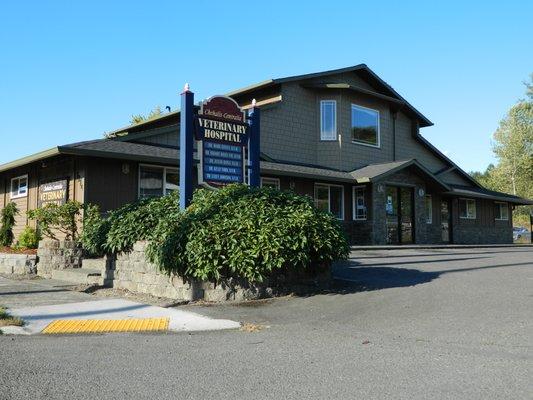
x,y
29,159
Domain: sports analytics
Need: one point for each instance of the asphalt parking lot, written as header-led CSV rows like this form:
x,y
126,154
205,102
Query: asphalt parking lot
x,y
411,324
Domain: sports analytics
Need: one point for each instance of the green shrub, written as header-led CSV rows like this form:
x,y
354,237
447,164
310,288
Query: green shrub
x,y
29,238
137,221
7,218
95,229
248,233
58,218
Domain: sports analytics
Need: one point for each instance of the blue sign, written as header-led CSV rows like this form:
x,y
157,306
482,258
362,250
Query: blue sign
x,y
221,163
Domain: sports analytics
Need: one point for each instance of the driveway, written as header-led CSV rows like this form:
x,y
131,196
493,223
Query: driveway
x,y
411,324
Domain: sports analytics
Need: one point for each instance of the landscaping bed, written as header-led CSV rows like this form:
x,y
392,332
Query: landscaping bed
x,y
16,250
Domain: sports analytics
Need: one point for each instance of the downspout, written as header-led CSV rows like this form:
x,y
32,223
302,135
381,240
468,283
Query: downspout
x,y
394,115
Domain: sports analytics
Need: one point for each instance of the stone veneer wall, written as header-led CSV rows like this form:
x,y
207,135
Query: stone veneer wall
x,y
134,273
19,264
54,254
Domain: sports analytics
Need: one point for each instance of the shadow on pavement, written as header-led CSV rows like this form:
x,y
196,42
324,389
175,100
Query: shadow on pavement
x,y
350,277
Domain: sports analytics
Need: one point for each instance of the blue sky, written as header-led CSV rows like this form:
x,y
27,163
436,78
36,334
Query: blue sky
x,y
70,71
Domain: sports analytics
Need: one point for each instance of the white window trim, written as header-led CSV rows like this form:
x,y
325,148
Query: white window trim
x,y
164,168
500,203
334,138
329,196
19,195
475,209
272,180
354,203
376,146
429,218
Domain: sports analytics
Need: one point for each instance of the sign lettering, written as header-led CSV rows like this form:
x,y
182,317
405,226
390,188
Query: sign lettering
x,y
55,192
222,132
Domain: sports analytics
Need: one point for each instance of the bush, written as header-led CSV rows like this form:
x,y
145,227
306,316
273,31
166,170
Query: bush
x,y
95,229
248,233
29,238
137,221
62,218
7,218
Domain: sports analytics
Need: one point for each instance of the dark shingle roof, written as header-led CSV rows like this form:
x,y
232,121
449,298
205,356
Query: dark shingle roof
x,y
122,150
468,191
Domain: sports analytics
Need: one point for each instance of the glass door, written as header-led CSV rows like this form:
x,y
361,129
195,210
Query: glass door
x,y
445,220
391,207
406,215
399,210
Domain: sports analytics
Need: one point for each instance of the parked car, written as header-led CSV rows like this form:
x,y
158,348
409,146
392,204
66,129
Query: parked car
x,y
521,234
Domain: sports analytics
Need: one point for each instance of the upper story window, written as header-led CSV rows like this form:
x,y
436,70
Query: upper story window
x,y
328,120
359,204
429,209
501,211
19,186
270,182
330,198
365,126
467,208
157,181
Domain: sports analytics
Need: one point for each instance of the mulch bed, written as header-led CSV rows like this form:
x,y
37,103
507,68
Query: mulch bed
x,y
10,250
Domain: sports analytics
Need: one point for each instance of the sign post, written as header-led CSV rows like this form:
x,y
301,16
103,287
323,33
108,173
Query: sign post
x,y
186,146
254,146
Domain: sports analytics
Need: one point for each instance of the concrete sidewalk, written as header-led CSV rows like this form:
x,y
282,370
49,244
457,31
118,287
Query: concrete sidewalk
x,y
39,302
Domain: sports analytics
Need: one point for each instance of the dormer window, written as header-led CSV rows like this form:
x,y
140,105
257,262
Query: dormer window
x,y
328,120
365,126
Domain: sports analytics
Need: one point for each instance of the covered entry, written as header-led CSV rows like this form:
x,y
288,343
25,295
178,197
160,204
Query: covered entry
x,y
399,208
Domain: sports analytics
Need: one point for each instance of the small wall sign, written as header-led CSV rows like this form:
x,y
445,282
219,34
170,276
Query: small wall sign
x,y
55,192
222,134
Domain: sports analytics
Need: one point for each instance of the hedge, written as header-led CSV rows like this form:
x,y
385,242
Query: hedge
x,y
236,232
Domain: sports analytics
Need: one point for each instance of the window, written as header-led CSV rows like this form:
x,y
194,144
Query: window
x,y
328,120
429,209
19,186
359,204
157,181
330,198
467,209
501,211
270,182
365,126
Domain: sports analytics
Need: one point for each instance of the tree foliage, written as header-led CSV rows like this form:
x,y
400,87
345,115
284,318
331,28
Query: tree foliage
x,y
7,219
513,148
138,118
53,219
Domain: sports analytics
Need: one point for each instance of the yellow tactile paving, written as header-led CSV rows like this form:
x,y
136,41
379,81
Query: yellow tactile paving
x,y
106,325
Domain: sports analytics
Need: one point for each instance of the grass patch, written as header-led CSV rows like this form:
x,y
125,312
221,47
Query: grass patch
x,y
7,320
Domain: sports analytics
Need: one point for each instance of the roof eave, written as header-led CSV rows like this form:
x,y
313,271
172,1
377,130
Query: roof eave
x,y
29,159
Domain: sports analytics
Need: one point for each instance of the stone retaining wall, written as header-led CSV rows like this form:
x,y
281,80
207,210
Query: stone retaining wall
x,y
132,272
19,264
55,254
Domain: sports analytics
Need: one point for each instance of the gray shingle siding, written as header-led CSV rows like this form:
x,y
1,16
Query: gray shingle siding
x,y
291,131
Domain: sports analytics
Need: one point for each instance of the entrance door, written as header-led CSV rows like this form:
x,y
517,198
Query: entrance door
x,y
399,210
406,215
445,220
392,210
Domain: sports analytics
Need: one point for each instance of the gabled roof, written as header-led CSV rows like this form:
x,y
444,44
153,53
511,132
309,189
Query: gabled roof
x,y
384,90
363,69
376,172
